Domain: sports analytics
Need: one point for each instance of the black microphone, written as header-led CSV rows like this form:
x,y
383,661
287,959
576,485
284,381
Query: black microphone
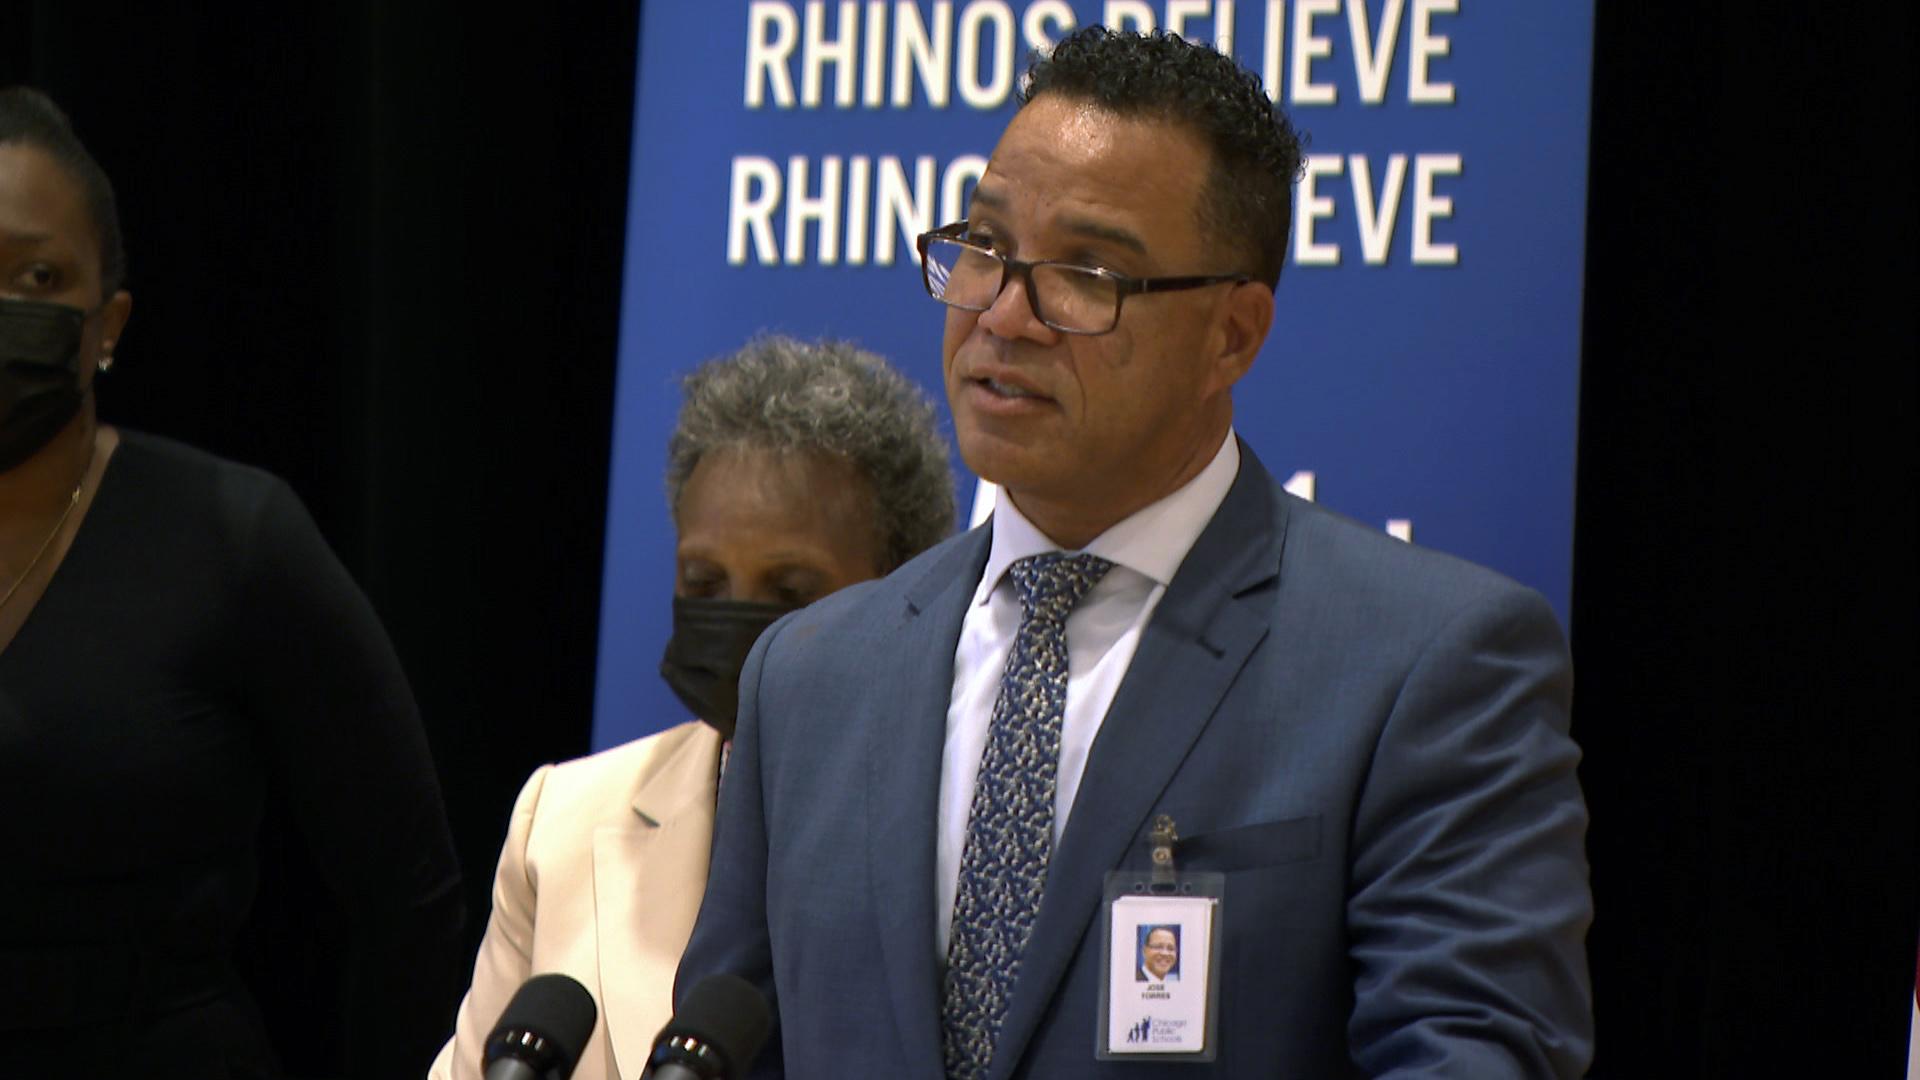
x,y
715,1035
541,1031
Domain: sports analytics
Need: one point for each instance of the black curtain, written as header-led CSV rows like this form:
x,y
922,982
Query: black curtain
x,y
1744,602
376,248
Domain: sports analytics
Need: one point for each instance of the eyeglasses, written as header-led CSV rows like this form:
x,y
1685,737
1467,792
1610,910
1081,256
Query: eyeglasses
x,y
969,275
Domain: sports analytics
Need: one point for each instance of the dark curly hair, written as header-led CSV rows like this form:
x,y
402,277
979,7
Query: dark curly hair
x,y
1247,203
30,118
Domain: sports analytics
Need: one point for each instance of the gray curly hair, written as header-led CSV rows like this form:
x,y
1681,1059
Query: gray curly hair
x,y
825,397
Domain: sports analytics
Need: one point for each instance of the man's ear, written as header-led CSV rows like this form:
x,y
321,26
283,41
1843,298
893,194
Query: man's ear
x,y
1245,316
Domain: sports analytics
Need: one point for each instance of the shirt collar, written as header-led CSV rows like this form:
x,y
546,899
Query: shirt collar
x,y
1153,541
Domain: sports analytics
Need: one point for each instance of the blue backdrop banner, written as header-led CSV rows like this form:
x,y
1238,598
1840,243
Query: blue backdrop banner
x,y
1423,370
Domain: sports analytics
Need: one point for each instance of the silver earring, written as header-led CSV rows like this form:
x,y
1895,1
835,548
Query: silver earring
x,y
105,365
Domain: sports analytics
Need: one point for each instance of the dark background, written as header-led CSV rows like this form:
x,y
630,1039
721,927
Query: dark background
x,y
376,248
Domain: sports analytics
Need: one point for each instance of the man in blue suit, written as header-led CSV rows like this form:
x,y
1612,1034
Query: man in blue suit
x,y
934,774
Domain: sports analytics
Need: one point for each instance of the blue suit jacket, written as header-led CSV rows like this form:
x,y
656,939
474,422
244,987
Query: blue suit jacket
x,y
1369,739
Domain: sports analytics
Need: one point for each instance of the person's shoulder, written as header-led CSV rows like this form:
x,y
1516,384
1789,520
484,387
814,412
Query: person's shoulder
x,y
168,461
1317,550
202,513
1319,533
186,480
609,778
1382,580
641,756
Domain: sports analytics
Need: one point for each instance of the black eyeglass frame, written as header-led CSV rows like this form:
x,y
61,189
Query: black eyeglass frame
x,y
1124,286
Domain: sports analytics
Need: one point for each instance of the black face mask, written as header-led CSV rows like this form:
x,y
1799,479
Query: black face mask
x,y
39,375
711,639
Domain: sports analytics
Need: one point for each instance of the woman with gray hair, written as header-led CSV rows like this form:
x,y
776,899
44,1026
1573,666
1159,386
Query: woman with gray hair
x,y
795,469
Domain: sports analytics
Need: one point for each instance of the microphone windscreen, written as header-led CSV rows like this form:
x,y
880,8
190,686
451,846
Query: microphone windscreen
x,y
557,1009
726,1012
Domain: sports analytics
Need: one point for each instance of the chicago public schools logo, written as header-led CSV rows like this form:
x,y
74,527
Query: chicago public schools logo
x,y
1151,1030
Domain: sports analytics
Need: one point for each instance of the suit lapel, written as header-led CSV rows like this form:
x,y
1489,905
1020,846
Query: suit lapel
x,y
1190,652
903,791
648,878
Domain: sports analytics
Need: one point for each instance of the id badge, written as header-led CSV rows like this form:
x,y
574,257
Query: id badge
x,y
1161,955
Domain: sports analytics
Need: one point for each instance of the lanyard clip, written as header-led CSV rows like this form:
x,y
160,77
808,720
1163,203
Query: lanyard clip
x,y
1161,840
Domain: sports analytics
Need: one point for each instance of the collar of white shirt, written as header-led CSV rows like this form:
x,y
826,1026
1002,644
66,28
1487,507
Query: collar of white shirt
x,y
1153,541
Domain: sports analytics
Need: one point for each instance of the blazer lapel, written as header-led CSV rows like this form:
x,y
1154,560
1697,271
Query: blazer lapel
x,y
903,792
648,878
1190,652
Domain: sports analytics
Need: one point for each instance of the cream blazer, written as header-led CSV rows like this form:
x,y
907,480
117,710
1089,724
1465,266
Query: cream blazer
x,y
600,878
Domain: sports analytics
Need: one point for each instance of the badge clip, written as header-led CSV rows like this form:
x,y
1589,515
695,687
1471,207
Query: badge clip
x,y
1161,840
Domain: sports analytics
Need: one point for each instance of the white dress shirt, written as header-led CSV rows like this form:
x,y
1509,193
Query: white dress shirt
x,y
1102,633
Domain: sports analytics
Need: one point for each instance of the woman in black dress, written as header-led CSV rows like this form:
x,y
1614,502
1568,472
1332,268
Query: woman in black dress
x,y
178,650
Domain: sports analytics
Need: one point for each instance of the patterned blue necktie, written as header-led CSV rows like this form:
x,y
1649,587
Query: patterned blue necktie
x,y
1003,867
